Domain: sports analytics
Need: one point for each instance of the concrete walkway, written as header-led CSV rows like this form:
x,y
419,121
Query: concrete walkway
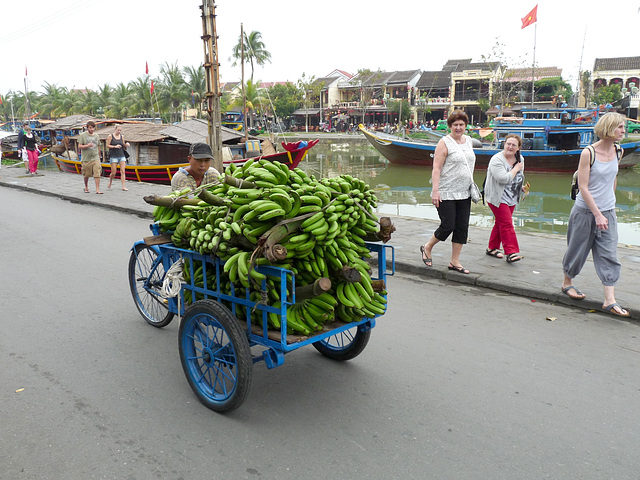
x,y
537,276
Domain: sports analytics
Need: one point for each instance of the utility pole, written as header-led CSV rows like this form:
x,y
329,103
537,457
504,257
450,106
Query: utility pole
x,y
244,94
212,75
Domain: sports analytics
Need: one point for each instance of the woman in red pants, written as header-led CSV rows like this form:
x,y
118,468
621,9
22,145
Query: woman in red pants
x,y
503,190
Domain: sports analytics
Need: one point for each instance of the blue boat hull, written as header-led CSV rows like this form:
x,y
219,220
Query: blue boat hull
x,y
414,152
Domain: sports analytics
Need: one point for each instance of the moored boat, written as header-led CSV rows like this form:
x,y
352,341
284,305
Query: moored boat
x,y
552,141
292,155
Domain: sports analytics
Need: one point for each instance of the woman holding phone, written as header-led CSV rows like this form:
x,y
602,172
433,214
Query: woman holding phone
x,y
503,190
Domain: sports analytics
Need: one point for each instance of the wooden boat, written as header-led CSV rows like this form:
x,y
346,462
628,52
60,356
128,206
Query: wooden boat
x,y
552,141
292,155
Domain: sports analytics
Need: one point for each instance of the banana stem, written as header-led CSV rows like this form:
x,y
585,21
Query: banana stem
x,y
312,290
171,202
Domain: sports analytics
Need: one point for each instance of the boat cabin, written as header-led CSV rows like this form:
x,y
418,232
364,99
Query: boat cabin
x,y
550,128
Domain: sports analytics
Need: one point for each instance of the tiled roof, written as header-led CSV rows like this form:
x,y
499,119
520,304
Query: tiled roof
x,y
466,64
524,74
621,63
379,78
434,79
403,76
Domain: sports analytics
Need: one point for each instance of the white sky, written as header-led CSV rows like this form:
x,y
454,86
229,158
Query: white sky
x,y
86,43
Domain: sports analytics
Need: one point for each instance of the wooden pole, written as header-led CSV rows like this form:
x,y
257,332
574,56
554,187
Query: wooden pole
x,y
244,95
212,76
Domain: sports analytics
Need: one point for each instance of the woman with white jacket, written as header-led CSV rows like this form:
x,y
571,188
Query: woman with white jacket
x,y
503,189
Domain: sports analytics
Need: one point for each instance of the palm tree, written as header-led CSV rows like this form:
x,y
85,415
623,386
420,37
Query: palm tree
x,y
255,101
173,89
119,102
140,101
196,82
254,51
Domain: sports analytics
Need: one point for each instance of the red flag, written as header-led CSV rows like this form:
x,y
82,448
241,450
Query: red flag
x,y
152,87
531,17
146,70
0,100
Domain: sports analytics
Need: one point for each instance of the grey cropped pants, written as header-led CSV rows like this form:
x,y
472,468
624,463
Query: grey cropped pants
x,y
583,237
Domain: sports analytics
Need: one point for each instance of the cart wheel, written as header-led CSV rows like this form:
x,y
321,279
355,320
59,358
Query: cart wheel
x,y
146,274
345,345
215,355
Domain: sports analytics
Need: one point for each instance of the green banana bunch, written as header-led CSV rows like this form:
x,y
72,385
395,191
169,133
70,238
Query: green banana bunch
x,y
338,213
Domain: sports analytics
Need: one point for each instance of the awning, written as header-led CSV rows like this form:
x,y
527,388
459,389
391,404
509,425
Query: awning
x,y
499,111
307,111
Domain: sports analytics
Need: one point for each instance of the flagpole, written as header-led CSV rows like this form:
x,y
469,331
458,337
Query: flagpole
x,y
533,65
26,95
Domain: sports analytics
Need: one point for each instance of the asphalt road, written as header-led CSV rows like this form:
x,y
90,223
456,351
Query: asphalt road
x,y
457,382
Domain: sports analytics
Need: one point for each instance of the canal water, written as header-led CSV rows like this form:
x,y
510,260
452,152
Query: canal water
x,y
406,190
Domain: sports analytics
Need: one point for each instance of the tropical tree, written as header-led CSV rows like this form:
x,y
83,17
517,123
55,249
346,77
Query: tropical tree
x,y
197,84
310,94
256,102
172,90
119,102
254,51
140,102
50,101
608,94
286,98
103,95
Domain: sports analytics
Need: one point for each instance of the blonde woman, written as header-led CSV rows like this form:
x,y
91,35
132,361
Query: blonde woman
x,y
117,146
593,223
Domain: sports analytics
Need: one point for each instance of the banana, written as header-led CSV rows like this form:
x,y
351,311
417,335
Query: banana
x,y
276,212
322,304
282,199
308,209
342,297
312,219
313,226
308,318
262,206
362,292
351,293
243,267
320,230
311,199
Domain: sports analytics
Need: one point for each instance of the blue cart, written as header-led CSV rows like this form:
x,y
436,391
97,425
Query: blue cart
x,y
216,332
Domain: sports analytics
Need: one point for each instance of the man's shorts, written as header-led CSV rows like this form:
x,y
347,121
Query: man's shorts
x,y
91,169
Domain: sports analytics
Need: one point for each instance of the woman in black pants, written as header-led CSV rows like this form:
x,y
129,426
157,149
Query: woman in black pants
x,y
453,164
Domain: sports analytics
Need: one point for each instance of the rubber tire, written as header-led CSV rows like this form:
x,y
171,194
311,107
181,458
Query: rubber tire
x,y
149,305
345,345
219,370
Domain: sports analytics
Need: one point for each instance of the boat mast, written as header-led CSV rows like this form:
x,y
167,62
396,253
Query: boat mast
x,y
580,72
212,76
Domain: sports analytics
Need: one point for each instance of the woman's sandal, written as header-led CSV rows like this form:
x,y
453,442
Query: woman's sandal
x,y
459,269
495,253
426,260
578,294
514,257
623,312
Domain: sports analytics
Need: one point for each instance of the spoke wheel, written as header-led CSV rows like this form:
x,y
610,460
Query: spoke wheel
x,y
344,345
146,274
215,355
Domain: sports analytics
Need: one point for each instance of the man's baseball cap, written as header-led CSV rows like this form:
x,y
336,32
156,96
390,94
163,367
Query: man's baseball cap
x,y
200,151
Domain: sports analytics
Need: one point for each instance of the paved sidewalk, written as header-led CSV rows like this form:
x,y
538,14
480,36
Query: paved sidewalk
x,y
537,276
